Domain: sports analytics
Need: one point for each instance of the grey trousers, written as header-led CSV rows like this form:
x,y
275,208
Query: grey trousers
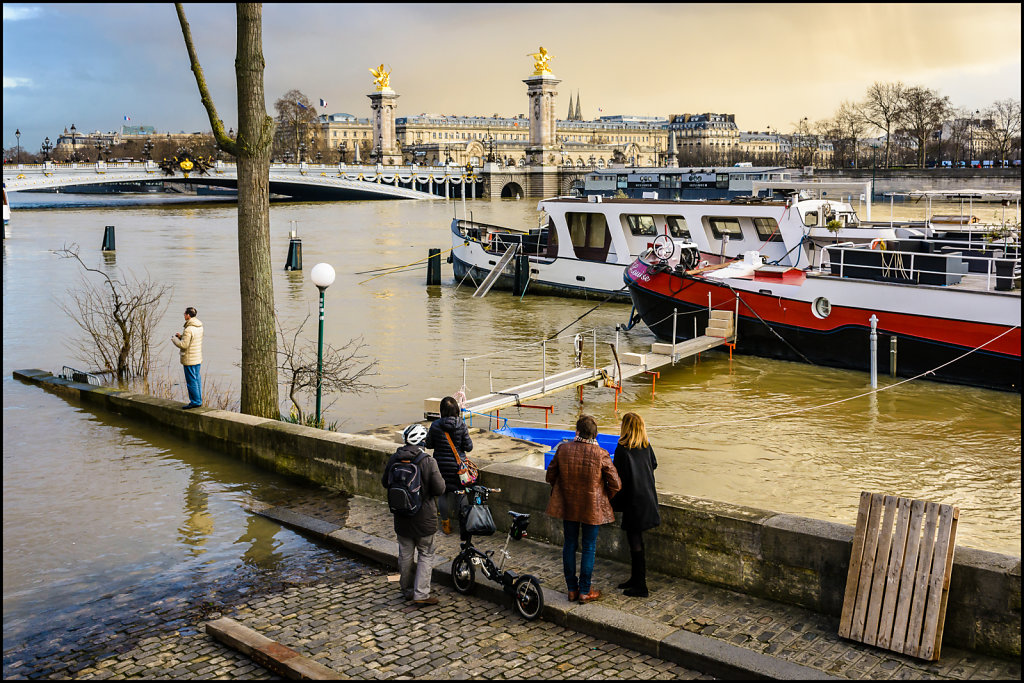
x,y
415,581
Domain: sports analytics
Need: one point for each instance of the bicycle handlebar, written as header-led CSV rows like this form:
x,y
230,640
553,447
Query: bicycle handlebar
x,y
466,489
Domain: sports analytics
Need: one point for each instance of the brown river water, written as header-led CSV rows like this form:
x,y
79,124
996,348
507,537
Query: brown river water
x,y
94,505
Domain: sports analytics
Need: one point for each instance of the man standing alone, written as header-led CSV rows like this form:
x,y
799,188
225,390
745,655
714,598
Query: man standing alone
x,y
190,341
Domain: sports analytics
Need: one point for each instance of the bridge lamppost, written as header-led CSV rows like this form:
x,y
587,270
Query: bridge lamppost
x,y
17,134
302,151
490,146
74,149
46,149
99,151
342,148
147,149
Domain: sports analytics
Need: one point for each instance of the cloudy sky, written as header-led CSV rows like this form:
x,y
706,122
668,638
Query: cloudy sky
x,y
769,64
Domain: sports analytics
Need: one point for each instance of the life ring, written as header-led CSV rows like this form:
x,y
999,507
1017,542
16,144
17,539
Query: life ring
x,y
878,244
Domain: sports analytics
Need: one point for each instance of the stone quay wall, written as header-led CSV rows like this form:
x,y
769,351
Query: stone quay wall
x,y
781,557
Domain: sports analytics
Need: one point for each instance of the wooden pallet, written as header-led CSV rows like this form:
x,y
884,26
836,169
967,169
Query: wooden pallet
x,y
898,582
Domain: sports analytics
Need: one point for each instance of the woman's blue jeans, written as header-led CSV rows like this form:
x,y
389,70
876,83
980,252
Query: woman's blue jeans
x,y
194,384
569,545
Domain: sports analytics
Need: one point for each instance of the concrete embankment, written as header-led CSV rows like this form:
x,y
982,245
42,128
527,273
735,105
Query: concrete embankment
x,y
780,557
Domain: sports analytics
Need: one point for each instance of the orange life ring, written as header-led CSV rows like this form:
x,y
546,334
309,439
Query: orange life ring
x,y
878,244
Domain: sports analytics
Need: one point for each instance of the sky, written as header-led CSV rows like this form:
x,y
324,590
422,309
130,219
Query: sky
x,y
772,64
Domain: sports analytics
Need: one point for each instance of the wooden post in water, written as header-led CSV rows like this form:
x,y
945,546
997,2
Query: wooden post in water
x,y
108,239
433,267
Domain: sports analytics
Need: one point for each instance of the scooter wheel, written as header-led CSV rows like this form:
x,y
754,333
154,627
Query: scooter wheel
x,y
528,598
463,574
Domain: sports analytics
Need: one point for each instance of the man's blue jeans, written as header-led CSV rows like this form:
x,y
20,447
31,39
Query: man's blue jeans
x,y
194,384
569,545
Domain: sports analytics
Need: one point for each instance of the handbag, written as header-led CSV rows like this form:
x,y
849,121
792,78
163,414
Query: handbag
x,y
478,520
468,472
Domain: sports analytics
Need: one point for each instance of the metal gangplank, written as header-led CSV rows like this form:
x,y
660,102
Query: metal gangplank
x,y
721,331
496,272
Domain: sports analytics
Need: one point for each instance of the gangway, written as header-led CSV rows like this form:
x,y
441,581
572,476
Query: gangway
x,y
496,272
721,331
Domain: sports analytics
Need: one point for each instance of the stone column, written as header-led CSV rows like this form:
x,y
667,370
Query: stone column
x,y
541,91
382,106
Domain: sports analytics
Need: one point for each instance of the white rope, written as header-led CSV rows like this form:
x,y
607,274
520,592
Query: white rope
x,y
803,410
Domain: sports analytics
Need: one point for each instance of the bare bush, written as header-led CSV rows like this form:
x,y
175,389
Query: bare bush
x,y
166,383
117,318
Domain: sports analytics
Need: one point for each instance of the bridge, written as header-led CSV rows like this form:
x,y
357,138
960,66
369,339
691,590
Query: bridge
x,y
301,181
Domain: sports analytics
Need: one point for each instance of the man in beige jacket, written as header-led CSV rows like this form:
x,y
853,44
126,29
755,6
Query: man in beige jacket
x,y
190,341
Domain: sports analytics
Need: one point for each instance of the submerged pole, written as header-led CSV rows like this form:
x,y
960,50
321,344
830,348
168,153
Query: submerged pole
x,y
874,351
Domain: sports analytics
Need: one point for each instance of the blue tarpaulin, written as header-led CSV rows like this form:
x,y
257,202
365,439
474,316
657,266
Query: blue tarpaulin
x,y
552,437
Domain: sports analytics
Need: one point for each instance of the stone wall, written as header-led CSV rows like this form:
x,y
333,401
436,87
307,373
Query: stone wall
x,y
781,557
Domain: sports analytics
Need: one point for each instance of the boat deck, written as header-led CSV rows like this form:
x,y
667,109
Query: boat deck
x,y
975,282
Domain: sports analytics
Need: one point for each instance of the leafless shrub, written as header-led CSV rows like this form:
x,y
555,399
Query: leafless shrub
x,y
165,383
117,318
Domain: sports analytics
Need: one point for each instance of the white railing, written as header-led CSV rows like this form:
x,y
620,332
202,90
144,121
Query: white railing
x,y
905,264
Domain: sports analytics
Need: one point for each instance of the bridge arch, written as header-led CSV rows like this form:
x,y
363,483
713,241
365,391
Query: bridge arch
x,y
512,190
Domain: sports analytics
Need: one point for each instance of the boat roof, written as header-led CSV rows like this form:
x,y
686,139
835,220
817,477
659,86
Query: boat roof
x,y
746,201
957,194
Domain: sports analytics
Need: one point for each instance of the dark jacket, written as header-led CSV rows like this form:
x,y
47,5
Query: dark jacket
x,y
637,500
446,462
582,479
424,522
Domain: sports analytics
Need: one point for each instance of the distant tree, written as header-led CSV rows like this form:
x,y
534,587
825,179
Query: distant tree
x,y
882,108
251,148
923,112
296,124
830,130
805,143
852,128
1000,129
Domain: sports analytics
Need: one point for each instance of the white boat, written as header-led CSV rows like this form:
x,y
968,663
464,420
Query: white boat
x,y
583,245
7,209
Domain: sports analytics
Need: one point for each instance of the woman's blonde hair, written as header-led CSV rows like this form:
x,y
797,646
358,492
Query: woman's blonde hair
x,y
634,432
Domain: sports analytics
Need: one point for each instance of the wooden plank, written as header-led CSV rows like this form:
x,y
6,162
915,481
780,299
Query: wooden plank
x,y
899,627
938,593
892,575
912,645
867,565
853,573
881,567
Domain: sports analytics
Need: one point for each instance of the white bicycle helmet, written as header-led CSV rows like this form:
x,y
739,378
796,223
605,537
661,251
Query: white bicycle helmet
x,y
415,434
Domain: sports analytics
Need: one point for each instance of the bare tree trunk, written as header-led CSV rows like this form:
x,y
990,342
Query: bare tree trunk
x,y
252,153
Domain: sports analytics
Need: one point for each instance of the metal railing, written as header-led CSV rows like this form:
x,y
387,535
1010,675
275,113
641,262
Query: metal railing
x,y
905,265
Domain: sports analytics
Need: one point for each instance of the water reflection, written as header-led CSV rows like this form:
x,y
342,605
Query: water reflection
x,y
296,282
263,551
198,525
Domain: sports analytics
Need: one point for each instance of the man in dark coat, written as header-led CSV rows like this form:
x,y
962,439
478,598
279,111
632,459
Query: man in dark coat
x,y
451,424
416,532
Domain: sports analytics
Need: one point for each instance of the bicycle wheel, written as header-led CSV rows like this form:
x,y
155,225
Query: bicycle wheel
x,y
463,574
528,597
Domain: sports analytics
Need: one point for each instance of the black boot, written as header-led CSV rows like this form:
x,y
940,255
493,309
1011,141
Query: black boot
x,y
639,587
634,558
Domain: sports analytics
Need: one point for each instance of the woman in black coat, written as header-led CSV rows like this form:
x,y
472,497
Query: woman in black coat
x,y
637,500
449,423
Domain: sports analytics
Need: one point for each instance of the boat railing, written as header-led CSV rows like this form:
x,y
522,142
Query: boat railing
x,y
996,272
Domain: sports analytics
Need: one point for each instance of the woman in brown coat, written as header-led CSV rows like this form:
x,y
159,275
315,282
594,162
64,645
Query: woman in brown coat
x,y
583,481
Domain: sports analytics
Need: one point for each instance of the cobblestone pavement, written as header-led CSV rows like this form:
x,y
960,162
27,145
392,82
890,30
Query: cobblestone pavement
x,y
783,631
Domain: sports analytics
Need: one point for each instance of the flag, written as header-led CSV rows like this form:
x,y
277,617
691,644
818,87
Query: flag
x,y
301,105
599,109
323,102
127,118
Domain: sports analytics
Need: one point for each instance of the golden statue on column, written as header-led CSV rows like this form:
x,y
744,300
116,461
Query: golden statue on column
x,y
381,78
540,62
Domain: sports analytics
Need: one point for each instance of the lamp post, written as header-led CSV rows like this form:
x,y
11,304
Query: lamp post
x,y
874,150
17,134
74,150
147,149
46,148
99,151
322,276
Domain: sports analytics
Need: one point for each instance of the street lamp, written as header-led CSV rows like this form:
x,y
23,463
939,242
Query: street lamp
x,y
322,276
46,148
99,150
74,150
17,134
147,149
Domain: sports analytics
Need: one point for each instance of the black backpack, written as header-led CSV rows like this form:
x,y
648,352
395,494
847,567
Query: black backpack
x,y
405,486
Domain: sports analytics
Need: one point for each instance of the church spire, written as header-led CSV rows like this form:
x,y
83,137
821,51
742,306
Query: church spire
x,y
579,112
569,116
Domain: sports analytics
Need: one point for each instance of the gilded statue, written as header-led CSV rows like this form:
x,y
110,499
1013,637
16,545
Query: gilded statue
x,y
540,62
381,77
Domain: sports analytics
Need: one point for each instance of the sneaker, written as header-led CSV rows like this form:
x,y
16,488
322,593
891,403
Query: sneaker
x,y
426,601
446,526
590,597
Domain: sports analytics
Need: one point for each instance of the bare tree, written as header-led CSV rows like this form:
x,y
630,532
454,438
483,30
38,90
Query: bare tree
x,y
924,110
251,148
296,124
345,369
805,143
1000,128
852,129
882,108
118,319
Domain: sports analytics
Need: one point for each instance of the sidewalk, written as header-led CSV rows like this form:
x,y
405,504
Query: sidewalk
x,y
717,631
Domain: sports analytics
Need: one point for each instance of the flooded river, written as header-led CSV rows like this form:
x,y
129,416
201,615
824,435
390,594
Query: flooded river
x,y
93,504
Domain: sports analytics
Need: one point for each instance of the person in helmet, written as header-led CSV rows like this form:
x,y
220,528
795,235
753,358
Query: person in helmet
x,y
415,530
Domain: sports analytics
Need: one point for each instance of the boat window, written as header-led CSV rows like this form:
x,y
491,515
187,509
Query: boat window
x,y
677,226
767,229
726,226
589,235
642,225
811,219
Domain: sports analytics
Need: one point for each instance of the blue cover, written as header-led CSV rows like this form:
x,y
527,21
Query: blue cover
x,y
552,437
